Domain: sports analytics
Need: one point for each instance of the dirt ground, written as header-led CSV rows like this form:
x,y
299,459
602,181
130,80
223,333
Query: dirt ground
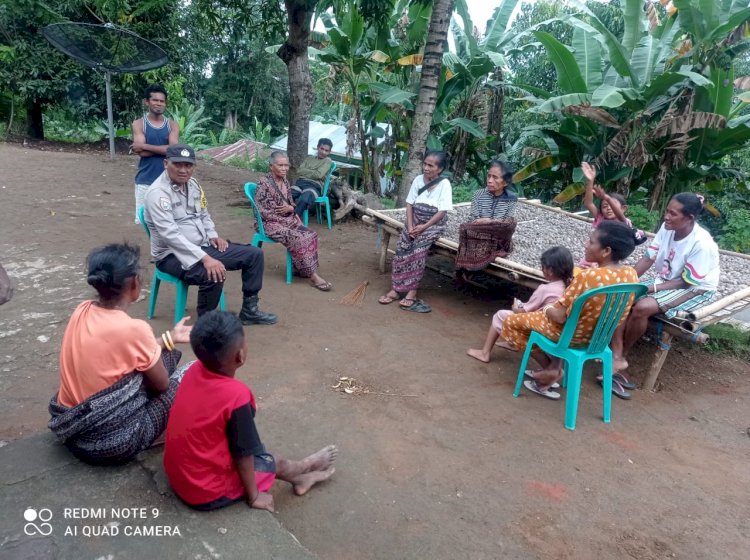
x,y
437,458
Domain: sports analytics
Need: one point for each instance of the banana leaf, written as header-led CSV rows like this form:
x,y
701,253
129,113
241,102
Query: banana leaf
x,y
569,193
536,166
569,75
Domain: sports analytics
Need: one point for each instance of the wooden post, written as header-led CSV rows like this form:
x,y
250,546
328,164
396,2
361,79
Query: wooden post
x,y
663,346
384,248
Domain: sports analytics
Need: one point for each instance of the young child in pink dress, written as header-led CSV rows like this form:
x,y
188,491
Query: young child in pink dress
x,y
557,267
611,207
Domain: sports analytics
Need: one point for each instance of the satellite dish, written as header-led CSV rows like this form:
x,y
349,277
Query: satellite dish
x,y
108,48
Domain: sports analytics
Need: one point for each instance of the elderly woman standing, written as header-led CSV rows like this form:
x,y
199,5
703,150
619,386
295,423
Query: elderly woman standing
x,y
274,200
686,259
117,380
491,225
427,205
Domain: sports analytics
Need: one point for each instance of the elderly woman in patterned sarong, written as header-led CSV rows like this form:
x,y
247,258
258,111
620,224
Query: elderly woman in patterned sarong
x,y
427,205
117,380
490,228
274,200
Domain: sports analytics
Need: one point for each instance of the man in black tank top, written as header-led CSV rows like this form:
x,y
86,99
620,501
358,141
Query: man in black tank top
x,y
152,134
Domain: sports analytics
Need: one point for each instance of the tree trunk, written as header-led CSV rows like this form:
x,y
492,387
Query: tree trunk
x,y
374,166
495,116
35,121
294,54
428,84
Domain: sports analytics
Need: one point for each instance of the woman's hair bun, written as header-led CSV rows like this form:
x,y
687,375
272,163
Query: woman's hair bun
x,y
99,278
110,267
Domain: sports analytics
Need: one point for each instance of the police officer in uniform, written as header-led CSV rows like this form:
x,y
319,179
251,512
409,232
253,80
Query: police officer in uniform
x,y
184,242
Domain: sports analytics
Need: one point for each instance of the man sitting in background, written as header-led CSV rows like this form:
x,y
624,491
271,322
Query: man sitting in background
x,y
312,176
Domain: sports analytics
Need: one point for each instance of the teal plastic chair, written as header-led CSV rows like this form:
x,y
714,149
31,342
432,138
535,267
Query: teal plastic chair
x,y
323,199
182,287
260,236
615,304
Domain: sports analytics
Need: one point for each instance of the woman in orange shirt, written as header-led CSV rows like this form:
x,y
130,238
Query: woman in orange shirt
x,y
608,245
117,380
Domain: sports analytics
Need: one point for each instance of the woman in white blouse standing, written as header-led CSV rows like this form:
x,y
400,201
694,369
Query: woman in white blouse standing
x,y
427,205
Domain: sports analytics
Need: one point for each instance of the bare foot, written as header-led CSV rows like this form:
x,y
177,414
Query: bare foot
x,y
320,461
390,297
506,345
479,355
619,364
305,481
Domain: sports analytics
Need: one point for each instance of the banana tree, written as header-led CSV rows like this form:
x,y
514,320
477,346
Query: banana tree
x,y
349,51
652,109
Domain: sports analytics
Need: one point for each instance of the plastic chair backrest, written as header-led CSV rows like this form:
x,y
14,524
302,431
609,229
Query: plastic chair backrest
x,y
250,193
328,179
142,218
617,300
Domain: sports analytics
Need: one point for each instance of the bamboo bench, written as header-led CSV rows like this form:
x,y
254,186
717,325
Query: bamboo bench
x,y
687,326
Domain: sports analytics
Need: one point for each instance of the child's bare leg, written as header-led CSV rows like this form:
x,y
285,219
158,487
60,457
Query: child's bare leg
x,y
483,355
304,474
505,344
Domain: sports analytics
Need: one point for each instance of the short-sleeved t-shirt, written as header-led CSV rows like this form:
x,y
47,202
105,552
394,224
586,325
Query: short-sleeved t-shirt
x,y
695,258
99,347
440,196
208,426
588,280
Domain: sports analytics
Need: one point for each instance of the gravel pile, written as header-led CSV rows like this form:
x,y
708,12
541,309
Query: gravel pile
x,y
538,229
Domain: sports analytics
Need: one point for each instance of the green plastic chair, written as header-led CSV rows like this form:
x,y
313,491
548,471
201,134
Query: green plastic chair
x,y
260,236
182,287
323,199
615,305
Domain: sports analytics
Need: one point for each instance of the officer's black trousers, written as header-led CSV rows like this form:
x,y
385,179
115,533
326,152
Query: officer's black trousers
x,y
247,258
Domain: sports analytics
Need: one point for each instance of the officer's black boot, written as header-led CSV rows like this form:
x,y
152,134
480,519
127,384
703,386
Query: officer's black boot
x,y
250,314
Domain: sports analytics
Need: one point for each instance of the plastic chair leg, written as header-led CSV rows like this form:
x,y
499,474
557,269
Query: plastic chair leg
x,y
328,213
524,362
289,267
154,293
180,302
574,374
607,386
305,217
221,301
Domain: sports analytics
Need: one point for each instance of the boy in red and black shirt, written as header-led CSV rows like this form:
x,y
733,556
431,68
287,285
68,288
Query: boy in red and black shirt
x,y
213,454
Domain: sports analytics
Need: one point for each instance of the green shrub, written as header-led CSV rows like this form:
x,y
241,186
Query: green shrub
x,y
736,232
464,191
642,218
254,163
389,203
726,339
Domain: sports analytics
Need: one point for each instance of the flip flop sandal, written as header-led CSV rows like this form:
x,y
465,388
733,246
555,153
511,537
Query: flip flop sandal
x,y
619,391
530,374
402,306
619,378
386,299
417,307
323,286
534,388
624,381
